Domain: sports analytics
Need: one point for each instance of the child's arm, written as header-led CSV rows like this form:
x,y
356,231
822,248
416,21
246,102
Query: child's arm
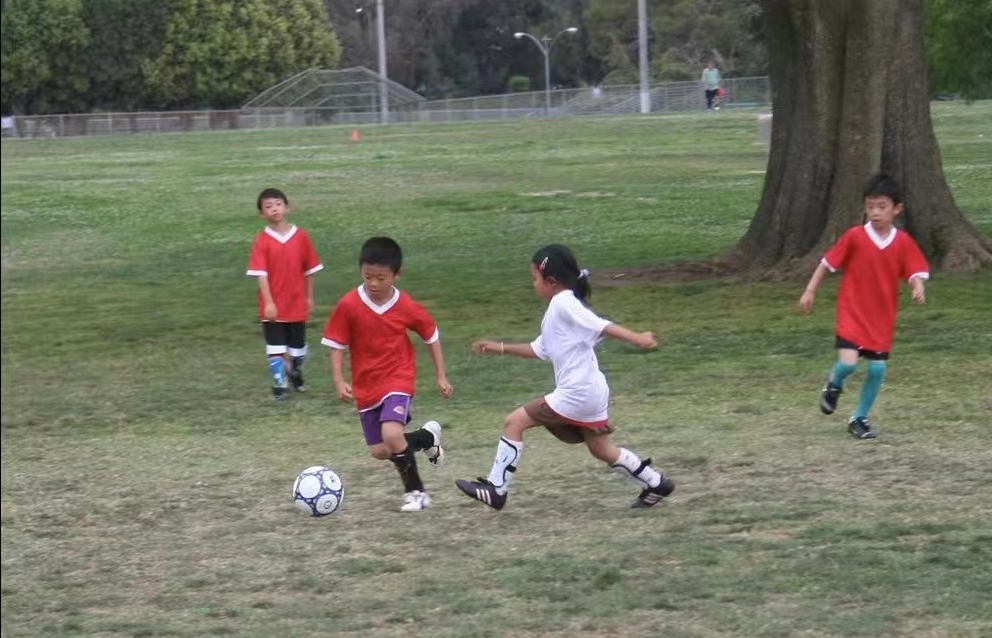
x,y
523,350
644,340
437,356
806,300
919,290
337,370
270,312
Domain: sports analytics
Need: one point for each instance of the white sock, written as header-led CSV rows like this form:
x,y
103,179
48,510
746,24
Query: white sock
x,y
638,471
505,464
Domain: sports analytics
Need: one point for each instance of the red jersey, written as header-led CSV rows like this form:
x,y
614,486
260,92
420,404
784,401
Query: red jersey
x,y
383,361
869,292
287,260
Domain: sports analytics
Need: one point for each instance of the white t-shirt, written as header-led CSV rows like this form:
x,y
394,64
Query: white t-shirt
x,y
569,334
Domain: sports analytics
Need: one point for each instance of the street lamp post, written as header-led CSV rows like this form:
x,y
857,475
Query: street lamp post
x,y
545,44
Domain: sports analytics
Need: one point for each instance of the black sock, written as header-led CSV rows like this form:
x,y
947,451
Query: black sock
x,y
419,439
297,366
406,465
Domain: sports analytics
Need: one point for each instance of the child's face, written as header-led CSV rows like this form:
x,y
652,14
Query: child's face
x,y
881,211
378,281
545,288
274,210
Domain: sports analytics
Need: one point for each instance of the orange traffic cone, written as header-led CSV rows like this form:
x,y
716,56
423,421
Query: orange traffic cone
x,y
355,135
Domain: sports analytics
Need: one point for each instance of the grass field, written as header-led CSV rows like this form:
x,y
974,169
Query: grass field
x,y
147,473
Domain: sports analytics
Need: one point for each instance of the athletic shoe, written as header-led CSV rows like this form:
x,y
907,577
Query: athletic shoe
x,y
296,378
279,394
653,495
415,501
828,397
435,453
484,491
859,428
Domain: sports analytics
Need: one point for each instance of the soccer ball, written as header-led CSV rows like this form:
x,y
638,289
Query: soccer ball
x,y
318,491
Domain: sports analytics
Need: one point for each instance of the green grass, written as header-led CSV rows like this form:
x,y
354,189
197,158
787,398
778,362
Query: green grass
x,y
146,472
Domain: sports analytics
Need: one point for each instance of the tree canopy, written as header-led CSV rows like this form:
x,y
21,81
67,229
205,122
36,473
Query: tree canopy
x,y
82,55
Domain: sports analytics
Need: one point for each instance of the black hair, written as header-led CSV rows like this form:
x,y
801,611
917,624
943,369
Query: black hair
x,y
381,251
558,262
271,193
882,185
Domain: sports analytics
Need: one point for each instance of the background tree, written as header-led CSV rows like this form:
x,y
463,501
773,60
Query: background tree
x,y
221,53
42,46
850,97
124,33
959,46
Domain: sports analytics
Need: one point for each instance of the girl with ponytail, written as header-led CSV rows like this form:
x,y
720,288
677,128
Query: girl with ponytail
x,y
576,410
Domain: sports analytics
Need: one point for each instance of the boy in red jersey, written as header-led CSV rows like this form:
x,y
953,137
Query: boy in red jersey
x,y
371,322
874,258
283,259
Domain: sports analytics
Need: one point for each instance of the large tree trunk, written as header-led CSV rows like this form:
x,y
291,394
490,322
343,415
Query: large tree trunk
x,y
850,97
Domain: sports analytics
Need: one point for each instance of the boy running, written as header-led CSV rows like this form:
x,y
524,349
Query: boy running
x,y
371,322
874,258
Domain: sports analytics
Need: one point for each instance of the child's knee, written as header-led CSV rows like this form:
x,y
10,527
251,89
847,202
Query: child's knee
x,y
380,451
877,369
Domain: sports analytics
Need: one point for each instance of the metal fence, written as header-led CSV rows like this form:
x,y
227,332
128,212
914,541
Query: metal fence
x,y
607,100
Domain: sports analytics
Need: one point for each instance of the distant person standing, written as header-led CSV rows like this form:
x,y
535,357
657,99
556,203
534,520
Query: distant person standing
x,y
283,260
711,84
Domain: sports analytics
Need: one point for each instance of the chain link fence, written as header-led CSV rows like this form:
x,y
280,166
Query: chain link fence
x,y
599,101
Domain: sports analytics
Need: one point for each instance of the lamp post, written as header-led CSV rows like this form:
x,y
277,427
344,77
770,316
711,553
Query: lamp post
x,y
545,44
380,20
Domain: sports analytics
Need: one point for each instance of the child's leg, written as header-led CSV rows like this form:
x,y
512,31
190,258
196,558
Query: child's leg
x,y
402,457
508,451
275,351
296,339
847,363
877,369
622,460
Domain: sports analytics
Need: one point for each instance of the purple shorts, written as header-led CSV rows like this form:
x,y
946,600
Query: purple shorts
x,y
395,407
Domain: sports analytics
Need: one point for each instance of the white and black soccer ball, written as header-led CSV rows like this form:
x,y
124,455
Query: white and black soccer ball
x,y
318,491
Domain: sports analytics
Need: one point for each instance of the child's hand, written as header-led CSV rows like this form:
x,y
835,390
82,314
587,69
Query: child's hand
x,y
345,393
270,311
310,306
487,347
919,292
446,389
646,340
806,301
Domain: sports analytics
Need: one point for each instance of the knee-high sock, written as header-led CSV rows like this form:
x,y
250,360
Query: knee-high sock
x,y
505,463
841,372
298,356
277,366
406,465
871,387
419,439
633,468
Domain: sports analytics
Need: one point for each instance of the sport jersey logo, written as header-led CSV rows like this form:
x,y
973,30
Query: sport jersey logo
x,y
399,410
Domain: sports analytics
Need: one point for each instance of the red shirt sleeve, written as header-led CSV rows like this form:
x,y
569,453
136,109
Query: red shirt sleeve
x,y
913,261
257,265
311,260
421,322
838,255
338,326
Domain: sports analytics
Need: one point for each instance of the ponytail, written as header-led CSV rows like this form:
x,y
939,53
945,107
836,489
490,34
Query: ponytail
x,y
557,262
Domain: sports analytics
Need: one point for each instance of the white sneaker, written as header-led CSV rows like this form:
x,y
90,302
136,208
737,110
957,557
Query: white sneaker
x,y
416,501
435,453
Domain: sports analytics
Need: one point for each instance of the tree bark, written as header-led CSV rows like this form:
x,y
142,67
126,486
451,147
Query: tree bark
x,y
850,97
